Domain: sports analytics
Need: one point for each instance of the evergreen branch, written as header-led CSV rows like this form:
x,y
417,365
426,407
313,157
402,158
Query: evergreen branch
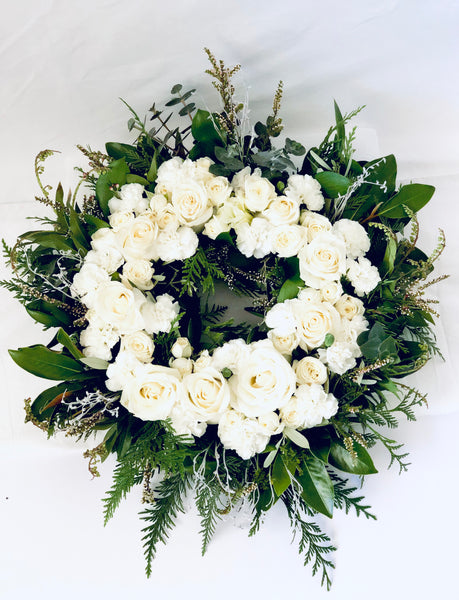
x,y
160,517
344,498
312,541
198,274
208,504
125,476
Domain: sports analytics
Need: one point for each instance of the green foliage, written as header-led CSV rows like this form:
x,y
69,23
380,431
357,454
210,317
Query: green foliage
x,y
198,274
344,498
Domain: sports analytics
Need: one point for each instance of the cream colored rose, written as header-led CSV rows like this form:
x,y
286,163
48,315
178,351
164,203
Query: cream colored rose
x,y
270,423
207,394
181,348
331,291
285,344
286,240
121,219
137,240
203,361
183,365
191,204
282,211
120,307
255,191
324,259
214,227
139,272
264,383
139,344
314,321
233,213
349,307
310,370
293,413
218,190
151,394
314,223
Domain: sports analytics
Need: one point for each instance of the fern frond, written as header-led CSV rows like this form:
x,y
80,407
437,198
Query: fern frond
x,y
345,499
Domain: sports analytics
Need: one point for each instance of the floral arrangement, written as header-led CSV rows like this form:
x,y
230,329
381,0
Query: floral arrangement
x,y
283,406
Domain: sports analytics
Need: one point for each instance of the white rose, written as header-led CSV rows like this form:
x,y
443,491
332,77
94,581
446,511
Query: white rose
x,y
286,240
130,199
191,204
152,392
362,275
218,190
256,191
120,372
309,295
157,206
282,211
246,436
270,423
355,237
137,240
181,348
310,370
86,282
323,259
207,394
202,362
331,291
350,330
139,344
233,213
176,244
139,272
214,227
281,318
183,365
305,190
340,356
254,239
285,344
159,316
201,169
120,307
314,224
169,172
168,220
314,321
349,307
264,383
121,219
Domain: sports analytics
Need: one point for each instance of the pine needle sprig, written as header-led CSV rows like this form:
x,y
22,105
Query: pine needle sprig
x,y
208,505
313,543
161,515
128,473
198,274
344,498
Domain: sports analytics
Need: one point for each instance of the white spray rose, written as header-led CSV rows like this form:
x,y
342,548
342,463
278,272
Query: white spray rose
x,y
270,423
282,211
305,190
181,348
331,291
120,307
314,224
139,272
255,191
362,275
355,237
214,227
120,219
218,190
285,344
264,383
139,344
310,370
152,392
203,362
246,436
137,240
286,240
324,259
183,365
349,307
191,203
207,394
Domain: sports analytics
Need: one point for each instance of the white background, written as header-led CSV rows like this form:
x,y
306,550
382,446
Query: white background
x,y
63,66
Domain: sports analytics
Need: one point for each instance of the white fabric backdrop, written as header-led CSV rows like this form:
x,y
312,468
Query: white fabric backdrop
x,y
63,66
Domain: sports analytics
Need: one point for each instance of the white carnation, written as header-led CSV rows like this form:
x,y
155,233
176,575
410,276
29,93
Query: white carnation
x,y
340,356
185,422
176,244
120,372
254,239
86,282
130,199
362,275
305,190
308,407
281,318
355,237
230,355
246,436
159,315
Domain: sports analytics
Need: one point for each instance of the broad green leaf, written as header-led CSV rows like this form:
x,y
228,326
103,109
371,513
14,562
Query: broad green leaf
x,y
95,363
295,148
343,460
332,183
204,128
78,235
279,476
117,150
48,395
318,490
414,196
64,339
104,193
48,314
296,437
319,442
49,239
42,362
130,178
118,171
269,459
375,344
290,289
94,223
153,170
389,255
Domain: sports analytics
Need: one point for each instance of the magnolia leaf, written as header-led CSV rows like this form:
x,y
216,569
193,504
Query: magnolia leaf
x,y
42,362
414,196
333,184
318,490
360,464
280,476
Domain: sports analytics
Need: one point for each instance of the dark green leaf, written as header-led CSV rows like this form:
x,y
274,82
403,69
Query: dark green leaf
x,y
47,396
42,362
414,195
136,179
340,458
290,289
177,88
375,344
104,193
48,239
117,150
79,238
118,171
319,443
94,223
48,314
332,183
153,170
279,476
318,489
205,128
186,110
295,148
64,339
173,102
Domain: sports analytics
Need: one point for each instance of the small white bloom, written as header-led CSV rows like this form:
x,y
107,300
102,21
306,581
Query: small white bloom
x,y
119,307
130,199
246,436
354,235
230,354
281,319
176,244
306,190
203,362
285,344
185,422
255,191
308,407
120,372
310,370
362,275
159,315
254,239
340,356
349,307
314,224
181,348
137,240
331,291
214,227
139,272
314,321
86,282
183,365
191,203
218,190
270,423
121,219
139,344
